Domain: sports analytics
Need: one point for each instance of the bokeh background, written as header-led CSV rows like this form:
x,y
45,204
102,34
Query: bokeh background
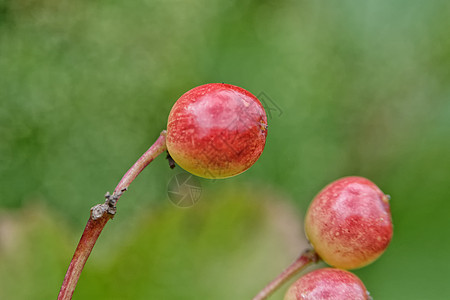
x,y
351,88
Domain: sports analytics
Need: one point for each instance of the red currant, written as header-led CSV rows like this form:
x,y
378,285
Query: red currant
x,y
216,130
328,283
349,223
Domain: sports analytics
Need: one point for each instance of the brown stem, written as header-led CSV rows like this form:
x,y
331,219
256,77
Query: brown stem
x,y
309,256
101,214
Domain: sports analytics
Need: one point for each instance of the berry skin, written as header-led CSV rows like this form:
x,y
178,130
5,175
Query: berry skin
x,y
349,223
216,130
328,283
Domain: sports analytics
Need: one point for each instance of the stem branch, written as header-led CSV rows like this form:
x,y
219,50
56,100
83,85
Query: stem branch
x,y
101,214
309,256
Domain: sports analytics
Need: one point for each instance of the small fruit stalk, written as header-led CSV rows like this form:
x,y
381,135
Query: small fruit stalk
x,y
348,224
328,283
214,131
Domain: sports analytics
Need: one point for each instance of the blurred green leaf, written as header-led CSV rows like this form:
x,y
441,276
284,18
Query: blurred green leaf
x,y
227,246
85,88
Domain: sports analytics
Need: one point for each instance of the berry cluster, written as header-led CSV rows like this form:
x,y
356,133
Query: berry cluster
x,y
349,225
219,130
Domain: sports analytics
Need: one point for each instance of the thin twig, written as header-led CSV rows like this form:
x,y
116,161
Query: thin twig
x,y
101,214
309,256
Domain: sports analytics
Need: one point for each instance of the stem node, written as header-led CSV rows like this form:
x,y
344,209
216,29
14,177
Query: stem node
x,y
101,214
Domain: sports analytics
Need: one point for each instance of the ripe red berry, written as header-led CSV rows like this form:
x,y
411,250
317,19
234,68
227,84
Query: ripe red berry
x,y
216,130
328,283
349,223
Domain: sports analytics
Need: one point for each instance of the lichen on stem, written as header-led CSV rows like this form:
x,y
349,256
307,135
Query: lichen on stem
x,y
101,214
308,257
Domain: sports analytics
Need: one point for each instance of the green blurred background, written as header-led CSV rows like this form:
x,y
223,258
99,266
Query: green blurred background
x,y
352,87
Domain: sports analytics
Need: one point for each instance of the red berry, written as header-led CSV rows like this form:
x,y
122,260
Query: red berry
x,y
328,283
216,130
349,223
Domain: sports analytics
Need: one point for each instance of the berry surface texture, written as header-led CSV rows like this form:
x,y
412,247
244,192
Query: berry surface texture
x,y
349,223
328,284
216,130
